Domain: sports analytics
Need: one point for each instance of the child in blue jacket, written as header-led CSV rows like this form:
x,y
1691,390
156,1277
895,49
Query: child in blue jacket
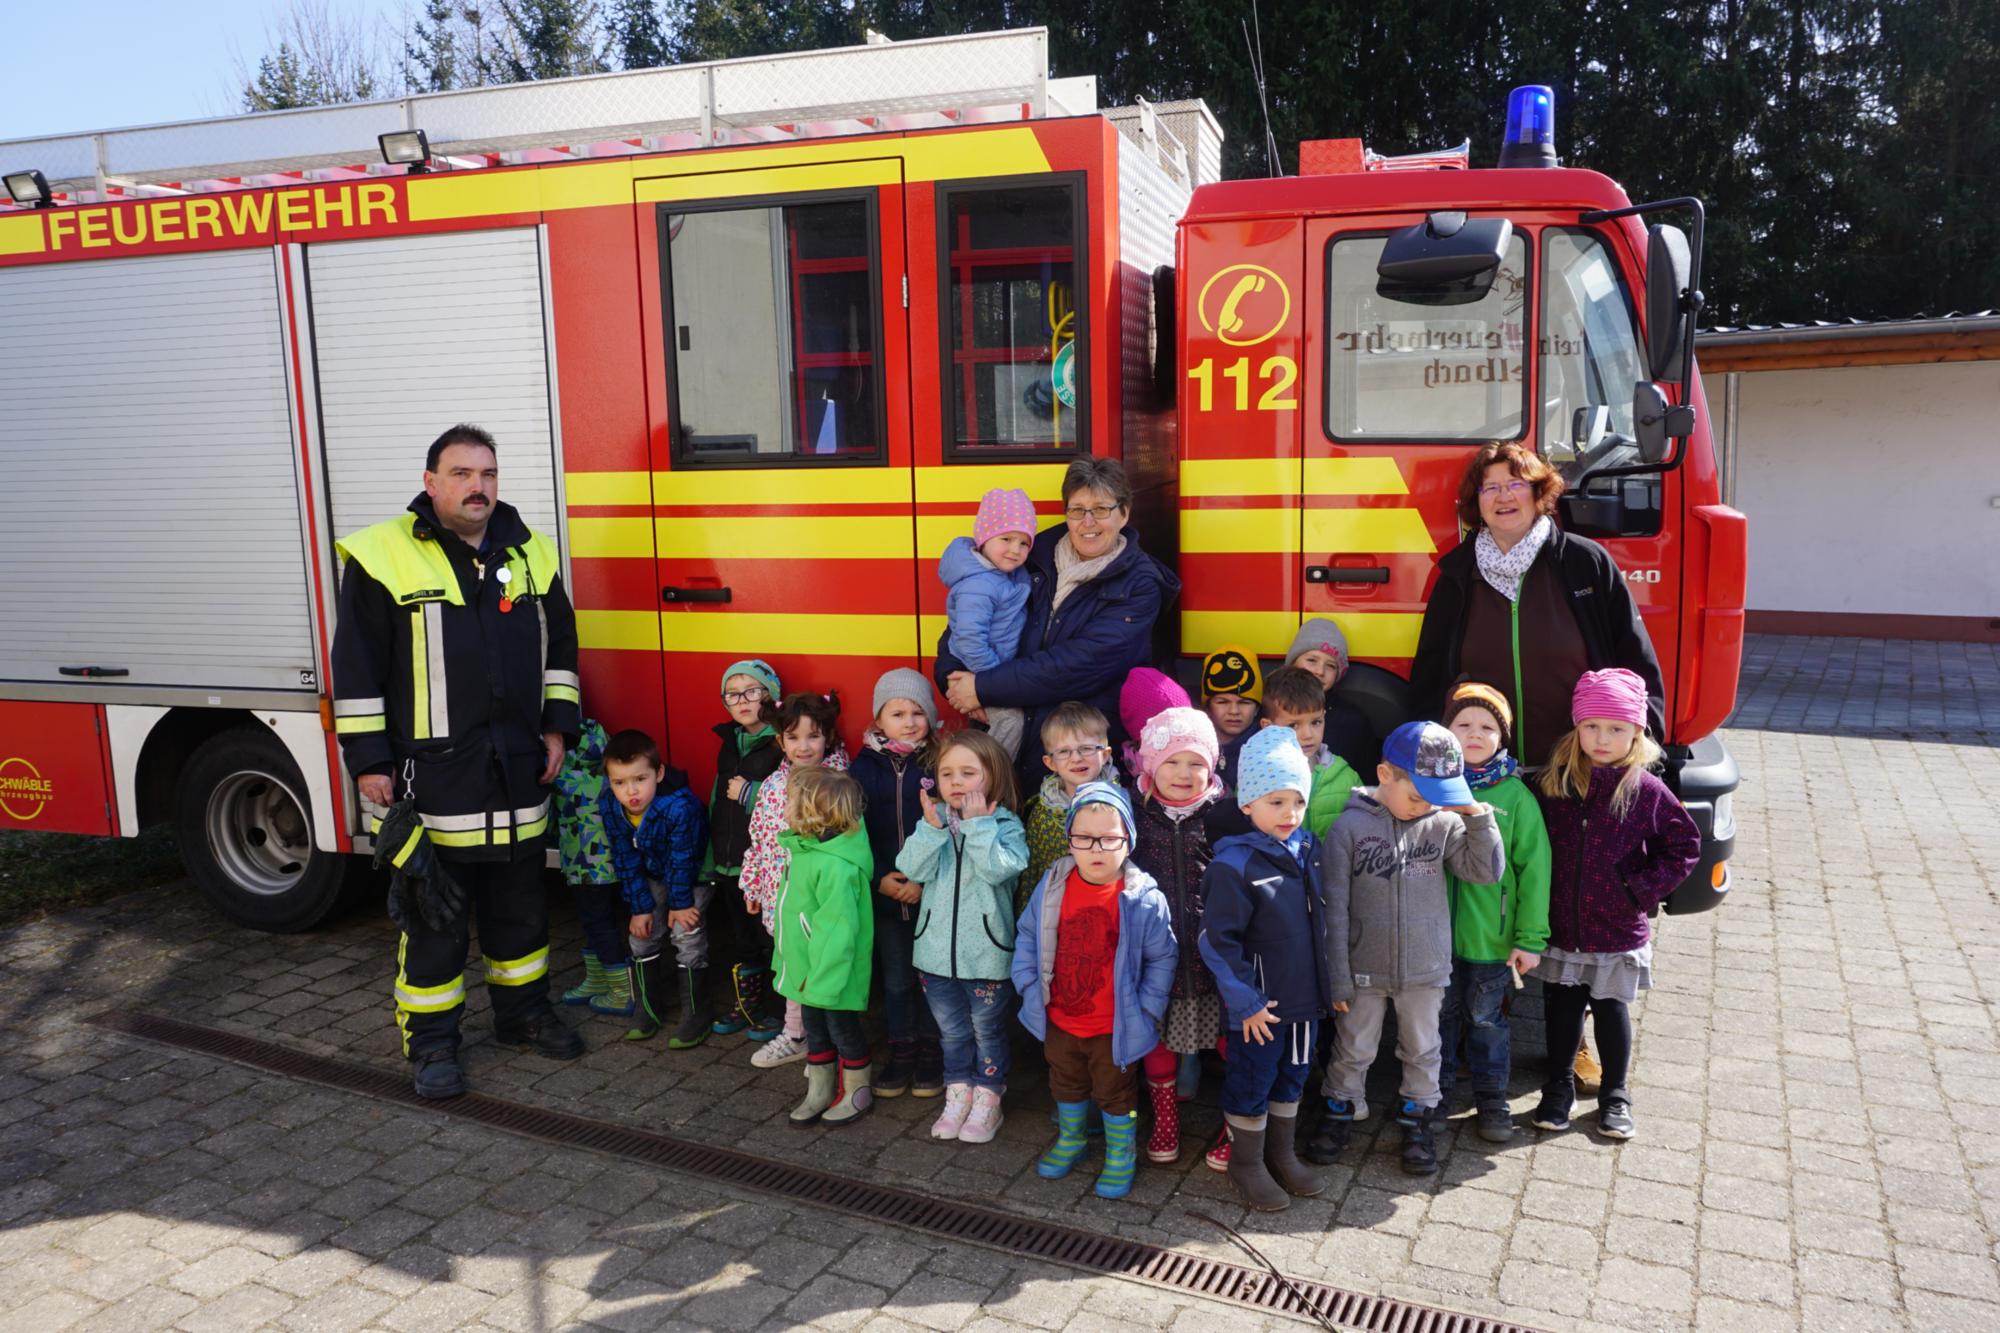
x,y
1264,910
987,607
1094,963
657,829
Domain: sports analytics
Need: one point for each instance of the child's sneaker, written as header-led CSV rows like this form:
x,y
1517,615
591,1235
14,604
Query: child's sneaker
x,y
1419,1142
1330,1135
1614,1119
1495,1121
957,1105
984,1120
782,1049
893,1079
927,1078
1553,1112
1217,1156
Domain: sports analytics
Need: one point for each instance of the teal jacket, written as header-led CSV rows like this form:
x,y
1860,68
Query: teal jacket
x,y
965,923
1490,920
825,921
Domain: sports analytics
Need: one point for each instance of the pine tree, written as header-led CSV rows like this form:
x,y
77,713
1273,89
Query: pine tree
x,y
637,36
547,39
430,59
282,83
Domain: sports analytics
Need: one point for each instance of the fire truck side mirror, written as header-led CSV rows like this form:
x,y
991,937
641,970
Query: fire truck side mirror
x,y
1667,281
1657,422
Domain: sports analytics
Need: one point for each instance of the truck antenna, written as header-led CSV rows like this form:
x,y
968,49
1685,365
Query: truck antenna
x,y
1256,45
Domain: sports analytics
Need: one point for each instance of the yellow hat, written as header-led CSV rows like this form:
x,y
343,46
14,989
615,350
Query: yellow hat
x,y
1231,669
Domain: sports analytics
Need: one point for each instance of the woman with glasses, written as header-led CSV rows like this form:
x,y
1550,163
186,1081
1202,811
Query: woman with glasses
x,y
1094,599
1526,607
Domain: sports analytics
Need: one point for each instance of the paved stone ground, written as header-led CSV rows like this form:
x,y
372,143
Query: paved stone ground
x,y
1815,1080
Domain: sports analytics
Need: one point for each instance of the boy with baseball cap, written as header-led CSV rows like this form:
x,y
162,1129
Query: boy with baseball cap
x,y
1389,937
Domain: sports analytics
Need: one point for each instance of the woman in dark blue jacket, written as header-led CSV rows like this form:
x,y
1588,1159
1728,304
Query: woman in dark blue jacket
x,y
1094,599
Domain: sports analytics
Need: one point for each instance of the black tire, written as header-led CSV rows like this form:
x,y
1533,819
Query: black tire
x,y
244,823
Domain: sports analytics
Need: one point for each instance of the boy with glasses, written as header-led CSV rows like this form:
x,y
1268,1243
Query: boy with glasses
x,y
1076,745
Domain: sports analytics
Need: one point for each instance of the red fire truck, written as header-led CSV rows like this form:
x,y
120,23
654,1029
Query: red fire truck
x,y
755,336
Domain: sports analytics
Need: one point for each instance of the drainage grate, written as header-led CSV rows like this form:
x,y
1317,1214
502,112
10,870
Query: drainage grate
x,y
945,1218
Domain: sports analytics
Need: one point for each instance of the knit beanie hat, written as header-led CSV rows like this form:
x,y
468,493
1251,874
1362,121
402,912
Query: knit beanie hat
x,y
1145,694
1325,636
1003,511
1477,694
1177,731
903,683
1271,760
758,670
1103,793
1231,670
1613,693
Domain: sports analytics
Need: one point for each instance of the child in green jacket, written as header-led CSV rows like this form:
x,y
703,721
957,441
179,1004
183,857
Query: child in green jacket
x,y
1498,931
1293,697
824,932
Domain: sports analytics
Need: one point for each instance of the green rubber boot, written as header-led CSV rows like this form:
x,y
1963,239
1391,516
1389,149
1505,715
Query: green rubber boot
x,y
617,997
1070,1144
591,986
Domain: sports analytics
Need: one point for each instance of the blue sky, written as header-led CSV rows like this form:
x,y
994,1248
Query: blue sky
x,y
102,64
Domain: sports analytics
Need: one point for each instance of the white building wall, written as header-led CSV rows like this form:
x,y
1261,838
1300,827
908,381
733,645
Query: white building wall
x,y
1872,489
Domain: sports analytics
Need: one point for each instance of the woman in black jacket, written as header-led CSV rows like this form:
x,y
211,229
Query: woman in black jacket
x,y
1527,607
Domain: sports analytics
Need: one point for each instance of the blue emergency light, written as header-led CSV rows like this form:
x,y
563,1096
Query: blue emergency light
x,y
1530,139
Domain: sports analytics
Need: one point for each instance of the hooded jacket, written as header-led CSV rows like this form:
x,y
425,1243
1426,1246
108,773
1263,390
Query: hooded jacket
x,y
823,922
585,850
665,847
752,756
1082,650
965,922
1263,917
1489,921
986,609
1611,872
1390,929
763,868
1176,853
1142,969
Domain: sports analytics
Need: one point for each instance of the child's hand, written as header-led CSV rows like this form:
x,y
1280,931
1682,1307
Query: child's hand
x,y
686,918
1523,962
1340,1006
1258,1028
750,908
734,791
1476,808
641,927
974,805
930,809
896,887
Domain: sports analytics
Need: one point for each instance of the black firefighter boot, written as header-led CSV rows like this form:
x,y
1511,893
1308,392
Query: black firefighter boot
x,y
541,1032
438,1074
652,991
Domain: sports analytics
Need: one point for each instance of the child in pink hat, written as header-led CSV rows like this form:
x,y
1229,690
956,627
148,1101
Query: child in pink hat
x,y
987,605
1619,844
1145,694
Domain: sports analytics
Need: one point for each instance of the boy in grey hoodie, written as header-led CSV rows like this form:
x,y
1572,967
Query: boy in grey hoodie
x,y
1391,848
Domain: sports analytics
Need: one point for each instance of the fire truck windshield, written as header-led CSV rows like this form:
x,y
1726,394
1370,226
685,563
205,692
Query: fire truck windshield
x,y
1402,370
1589,355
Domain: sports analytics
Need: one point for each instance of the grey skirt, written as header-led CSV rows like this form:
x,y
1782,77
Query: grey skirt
x,y
1610,976
1193,1024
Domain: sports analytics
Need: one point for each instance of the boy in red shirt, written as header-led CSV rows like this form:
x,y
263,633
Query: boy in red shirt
x,y
1094,961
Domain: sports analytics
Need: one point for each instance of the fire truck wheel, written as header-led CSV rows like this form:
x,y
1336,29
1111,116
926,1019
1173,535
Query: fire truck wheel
x,y
245,830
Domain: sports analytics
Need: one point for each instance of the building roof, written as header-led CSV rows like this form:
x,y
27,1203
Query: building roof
x,y
1920,339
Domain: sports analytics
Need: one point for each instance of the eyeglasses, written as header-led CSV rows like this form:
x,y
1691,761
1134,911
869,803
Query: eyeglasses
x,y
1494,489
756,694
1084,842
1072,753
1078,513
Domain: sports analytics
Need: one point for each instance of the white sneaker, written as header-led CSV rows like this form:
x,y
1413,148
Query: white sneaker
x,y
984,1121
957,1103
782,1049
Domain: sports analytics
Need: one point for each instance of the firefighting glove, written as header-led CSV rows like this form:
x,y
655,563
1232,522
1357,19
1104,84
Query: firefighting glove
x,y
417,877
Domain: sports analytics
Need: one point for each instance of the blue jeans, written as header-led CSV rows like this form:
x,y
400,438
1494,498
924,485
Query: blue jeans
x,y
973,1028
904,1013
1256,1075
1475,1005
601,910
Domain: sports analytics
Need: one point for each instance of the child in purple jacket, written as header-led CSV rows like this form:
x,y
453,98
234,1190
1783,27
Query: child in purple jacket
x,y
1620,843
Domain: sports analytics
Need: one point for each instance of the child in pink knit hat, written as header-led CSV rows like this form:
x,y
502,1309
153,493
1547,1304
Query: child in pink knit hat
x,y
1145,694
987,605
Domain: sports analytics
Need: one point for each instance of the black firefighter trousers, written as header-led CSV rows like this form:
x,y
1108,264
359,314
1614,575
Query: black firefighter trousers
x,y
512,905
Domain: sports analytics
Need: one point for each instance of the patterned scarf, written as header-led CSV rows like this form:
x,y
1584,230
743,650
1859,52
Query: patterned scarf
x,y
1073,571
1497,769
1504,570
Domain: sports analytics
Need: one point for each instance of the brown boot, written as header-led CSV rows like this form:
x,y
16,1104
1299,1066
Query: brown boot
x,y
1589,1074
1247,1170
1280,1132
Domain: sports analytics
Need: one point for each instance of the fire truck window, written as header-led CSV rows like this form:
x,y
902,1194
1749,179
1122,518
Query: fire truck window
x,y
774,333
1589,350
1014,338
1403,370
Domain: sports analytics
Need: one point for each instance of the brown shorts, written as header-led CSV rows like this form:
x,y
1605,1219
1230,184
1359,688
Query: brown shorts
x,y
1081,1068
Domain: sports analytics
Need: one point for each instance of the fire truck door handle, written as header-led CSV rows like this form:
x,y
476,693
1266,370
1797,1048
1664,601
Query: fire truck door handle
x,y
1360,574
93,671
673,594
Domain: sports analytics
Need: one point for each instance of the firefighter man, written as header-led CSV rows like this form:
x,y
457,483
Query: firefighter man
x,y
454,682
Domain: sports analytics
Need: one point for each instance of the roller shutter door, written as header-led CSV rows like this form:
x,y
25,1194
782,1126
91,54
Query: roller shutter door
x,y
149,486
413,334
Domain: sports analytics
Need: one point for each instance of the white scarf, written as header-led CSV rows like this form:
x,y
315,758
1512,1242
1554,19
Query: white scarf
x,y
1504,570
1073,571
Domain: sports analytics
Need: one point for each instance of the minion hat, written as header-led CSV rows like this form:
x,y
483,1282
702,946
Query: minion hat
x,y
1231,670
1271,760
1478,694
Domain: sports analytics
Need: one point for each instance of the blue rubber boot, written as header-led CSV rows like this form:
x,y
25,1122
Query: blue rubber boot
x,y
1070,1144
1121,1155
